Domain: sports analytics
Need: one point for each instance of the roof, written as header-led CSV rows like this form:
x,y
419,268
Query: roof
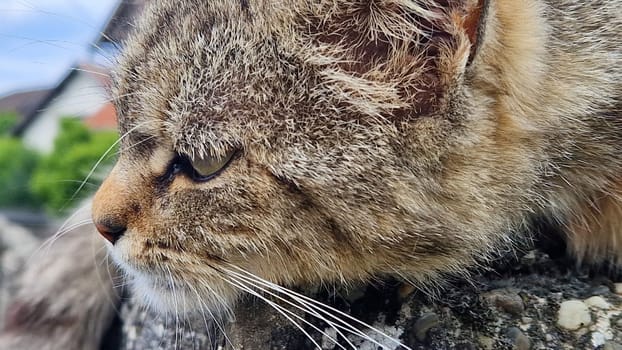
x,y
121,22
104,119
24,102
99,73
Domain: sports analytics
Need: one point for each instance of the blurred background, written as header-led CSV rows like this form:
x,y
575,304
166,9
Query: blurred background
x,y
56,119
57,141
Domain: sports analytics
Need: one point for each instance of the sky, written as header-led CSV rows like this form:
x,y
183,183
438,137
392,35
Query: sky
x,y
41,39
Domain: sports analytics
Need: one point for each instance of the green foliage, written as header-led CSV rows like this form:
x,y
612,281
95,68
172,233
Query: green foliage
x,y
16,166
59,178
8,120
71,134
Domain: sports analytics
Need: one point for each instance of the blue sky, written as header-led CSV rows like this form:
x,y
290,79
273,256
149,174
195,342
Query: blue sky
x,y
41,39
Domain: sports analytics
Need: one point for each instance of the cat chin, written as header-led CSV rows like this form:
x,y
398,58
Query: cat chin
x,y
169,294
173,298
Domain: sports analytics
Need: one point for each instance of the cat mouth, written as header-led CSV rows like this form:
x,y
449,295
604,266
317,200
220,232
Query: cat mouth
x,y
163,295
172,291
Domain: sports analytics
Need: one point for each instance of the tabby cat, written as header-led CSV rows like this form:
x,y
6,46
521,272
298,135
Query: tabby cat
x,y
317,142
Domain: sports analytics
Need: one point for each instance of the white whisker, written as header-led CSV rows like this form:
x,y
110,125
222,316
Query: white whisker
x,y
135,144
322,306
88,176
204,307
46,245
276,307
316,312
107,266
304,307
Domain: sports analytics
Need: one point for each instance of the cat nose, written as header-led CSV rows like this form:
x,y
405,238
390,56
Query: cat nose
x,y
111,231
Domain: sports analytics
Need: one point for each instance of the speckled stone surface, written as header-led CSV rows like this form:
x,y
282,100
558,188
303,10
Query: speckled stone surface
x,y
514,306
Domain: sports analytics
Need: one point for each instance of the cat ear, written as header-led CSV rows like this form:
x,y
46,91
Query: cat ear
x,y
398,54
472,22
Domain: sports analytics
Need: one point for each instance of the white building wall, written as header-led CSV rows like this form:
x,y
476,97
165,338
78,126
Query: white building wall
x,y
83,96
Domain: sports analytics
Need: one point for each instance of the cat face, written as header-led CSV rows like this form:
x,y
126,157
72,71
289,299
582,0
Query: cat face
x,y
302,143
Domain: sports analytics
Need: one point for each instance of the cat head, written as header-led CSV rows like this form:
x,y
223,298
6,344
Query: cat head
x,y
304,142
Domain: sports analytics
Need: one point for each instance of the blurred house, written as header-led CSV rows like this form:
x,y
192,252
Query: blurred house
x,y
120,23
83,92
22,103
104,119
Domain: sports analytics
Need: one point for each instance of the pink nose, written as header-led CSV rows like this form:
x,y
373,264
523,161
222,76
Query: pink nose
x,y
110,232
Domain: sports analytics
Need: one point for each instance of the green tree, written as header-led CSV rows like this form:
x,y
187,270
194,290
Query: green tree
x,y
16,166
60,179
8,120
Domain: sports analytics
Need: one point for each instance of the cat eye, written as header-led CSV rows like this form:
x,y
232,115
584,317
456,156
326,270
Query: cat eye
x,y
207,167
199,169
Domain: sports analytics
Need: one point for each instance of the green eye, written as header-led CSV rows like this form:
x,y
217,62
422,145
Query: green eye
x,y
204,169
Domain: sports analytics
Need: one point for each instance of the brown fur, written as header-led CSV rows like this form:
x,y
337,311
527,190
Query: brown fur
x,y
377,137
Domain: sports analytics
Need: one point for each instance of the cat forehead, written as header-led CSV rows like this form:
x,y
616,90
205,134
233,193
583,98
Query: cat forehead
x,y
201,63
198,65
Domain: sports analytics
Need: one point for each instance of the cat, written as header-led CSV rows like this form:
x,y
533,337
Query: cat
x,y
311,143
338,141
